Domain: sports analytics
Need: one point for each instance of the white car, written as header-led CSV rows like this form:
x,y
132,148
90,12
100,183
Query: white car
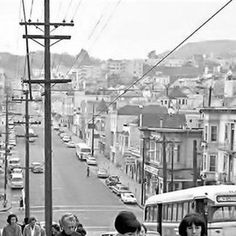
x,y
66,138
70,144
102,173
128,198
36,167
91,161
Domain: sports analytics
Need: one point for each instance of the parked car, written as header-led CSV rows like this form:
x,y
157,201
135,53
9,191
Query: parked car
x,y
102,173
120,188
112,180
70,144
66,138
36,167
128,198
91,161
13,162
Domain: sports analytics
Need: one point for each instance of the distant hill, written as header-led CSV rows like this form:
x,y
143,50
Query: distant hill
x,y
217,48
14,65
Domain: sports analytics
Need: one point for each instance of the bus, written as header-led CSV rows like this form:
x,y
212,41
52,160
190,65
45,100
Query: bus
x,y
216,203
82,151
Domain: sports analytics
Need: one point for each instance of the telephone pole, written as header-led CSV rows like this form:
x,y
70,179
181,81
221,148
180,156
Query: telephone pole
x,y
93,133
164,164
26,167
47,106
6,154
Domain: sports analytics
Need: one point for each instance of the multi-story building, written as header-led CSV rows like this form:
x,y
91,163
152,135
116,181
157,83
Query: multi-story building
x,y
219,145
167,135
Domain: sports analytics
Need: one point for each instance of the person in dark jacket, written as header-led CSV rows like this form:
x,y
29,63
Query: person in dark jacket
x,y
68,225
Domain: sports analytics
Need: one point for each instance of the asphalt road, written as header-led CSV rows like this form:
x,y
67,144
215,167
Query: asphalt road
x,y
87,197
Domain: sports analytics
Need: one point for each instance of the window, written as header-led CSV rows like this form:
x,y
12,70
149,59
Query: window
x,y
226,132
204,164
174,212
126,141
205,133
225,162
180,212
213,133
212,162
178,153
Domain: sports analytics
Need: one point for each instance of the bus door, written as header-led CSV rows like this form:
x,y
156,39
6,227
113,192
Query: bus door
x,y
202,208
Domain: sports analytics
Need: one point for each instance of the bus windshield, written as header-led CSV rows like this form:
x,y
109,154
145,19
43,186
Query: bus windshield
x,y
222,213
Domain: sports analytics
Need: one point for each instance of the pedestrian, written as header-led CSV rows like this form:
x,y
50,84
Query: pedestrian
x,y
55,229
79,227
32,228
193,224
143,230
68,225
12,228
21,203
88,170
25,222
127,223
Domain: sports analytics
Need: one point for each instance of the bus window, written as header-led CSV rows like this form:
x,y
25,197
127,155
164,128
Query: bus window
x,y
224,213
169,212
174,211
185,208
155,212
180,211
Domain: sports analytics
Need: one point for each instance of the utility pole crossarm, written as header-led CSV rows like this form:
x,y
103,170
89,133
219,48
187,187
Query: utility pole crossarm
x,y
51,24
52,81
38,36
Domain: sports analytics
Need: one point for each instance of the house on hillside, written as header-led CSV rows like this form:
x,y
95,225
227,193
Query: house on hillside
x,y
173,98
219,145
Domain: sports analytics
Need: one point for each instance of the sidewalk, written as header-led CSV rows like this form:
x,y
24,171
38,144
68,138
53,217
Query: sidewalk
x,y
124,178
113,170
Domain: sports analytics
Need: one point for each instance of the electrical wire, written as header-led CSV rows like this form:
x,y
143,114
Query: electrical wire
x,y
76,9
66,13
109,19
92,32
163,58
31,8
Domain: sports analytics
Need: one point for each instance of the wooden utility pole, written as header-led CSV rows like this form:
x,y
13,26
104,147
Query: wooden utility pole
x,y
26,167
164,164
6,154
194,163
93,127
47,116
143,172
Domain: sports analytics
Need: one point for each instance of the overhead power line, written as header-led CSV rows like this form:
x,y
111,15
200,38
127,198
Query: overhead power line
x,y
163,58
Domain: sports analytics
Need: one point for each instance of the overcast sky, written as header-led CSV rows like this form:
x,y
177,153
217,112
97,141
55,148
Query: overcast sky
x,y
118,29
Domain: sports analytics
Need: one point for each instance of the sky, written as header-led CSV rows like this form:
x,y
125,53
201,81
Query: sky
x,y
117,29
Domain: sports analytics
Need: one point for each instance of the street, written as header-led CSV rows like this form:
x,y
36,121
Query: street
x,y
87,197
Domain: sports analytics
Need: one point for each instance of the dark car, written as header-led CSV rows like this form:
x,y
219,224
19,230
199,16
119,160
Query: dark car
x,y
112,180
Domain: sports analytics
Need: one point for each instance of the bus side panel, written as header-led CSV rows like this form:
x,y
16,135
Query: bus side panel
x,y
170,229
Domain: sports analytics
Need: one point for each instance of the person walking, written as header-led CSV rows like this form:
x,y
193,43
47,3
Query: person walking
x,y
88,171
25,222
193,224
32,228
12,228
21,203
126,223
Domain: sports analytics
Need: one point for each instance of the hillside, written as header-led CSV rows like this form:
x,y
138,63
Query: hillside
x,y
217,48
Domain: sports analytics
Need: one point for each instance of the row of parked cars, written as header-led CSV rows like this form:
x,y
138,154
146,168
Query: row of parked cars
x,y
115,185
